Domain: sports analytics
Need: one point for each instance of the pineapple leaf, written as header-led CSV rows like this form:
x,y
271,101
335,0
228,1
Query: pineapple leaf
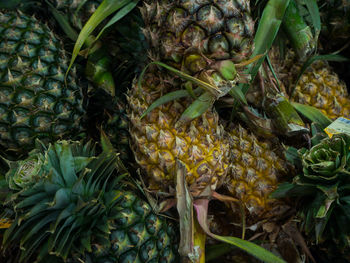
x,y
237,94
81,162
34,199
63,22
106,8
204,85
66,160
169,97
196,109
122,12
315,16
62,199
312,114
269,25
185,209
39,225
298,31
201,207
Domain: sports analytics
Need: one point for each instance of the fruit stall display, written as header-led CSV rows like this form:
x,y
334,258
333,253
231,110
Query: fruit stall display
x,y
192,131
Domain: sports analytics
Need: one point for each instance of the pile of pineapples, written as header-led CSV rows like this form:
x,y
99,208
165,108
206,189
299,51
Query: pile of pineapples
x,y
159,140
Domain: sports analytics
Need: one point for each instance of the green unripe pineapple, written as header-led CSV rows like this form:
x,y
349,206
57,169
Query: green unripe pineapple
x,y
35,100
77,11
70,203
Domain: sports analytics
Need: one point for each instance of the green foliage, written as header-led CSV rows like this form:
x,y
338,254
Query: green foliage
x,y
323,187
70,203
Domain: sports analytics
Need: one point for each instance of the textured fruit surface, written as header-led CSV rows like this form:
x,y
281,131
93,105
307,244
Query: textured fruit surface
x,y
157,143
86,214
321,87
255,170
35,102
195,35
139,235
77,11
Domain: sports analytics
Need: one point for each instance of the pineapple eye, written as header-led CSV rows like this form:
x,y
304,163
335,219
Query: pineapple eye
x,y
22,136
219,47
20,117
42,123
193,36
44,101
210,18
176,19
3,111
5,93
59,129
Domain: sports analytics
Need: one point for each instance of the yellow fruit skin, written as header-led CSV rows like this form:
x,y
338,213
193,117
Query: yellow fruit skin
x,y
321,87
255,170
201,145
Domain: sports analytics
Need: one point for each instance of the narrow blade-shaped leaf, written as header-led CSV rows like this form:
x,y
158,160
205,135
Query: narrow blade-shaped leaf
x,y
201,207
197,108
169,97
121,13
106,8
315,16
312,114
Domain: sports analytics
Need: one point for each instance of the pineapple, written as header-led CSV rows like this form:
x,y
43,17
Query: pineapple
x,y
319,86
108,114
77,11
77,209
196,36
157,142
255,170
35,101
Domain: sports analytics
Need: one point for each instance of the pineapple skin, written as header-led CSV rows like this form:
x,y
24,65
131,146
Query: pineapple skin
x,y
139,235
195,36
201,145
319,86
35,102
255,170
78,12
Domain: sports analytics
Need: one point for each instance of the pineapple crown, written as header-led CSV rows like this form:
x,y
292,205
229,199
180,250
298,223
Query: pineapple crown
x,y
323,186
62,194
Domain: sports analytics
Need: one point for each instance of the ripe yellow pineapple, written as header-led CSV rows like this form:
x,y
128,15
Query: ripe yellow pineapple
x,y
201,145
319,86
255,170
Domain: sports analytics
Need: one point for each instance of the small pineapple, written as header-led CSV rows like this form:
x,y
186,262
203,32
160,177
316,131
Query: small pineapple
x,y
35,100
77,209
319,86
157,142
255,170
